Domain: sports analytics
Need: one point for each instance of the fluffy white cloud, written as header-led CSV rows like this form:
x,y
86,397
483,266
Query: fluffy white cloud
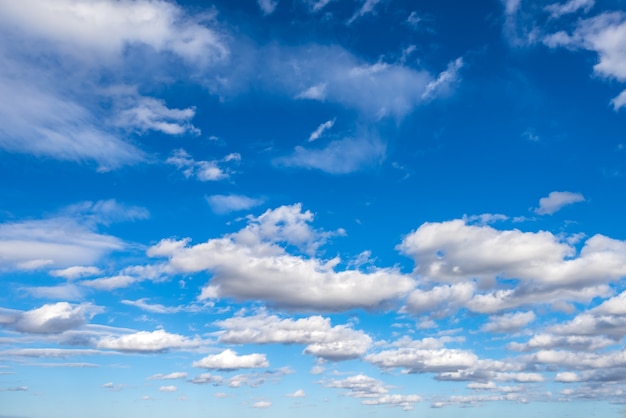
x,y
229,360
324,341
440,300
108,27
545,268
262,404
557,200
297,394
420,360
147,113
231,203
250,265
511,322
372,391
169,388
570,342
147,342
50,318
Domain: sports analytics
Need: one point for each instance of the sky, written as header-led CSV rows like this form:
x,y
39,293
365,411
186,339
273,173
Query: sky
x,y
379,208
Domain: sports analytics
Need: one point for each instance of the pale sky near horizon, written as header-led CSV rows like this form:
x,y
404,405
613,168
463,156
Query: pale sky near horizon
x,y
379,208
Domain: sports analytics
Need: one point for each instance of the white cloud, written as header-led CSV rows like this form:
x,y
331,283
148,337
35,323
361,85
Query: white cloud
x,y
444,81
170,376
147,342
340,342
571,6
76,272
341,156
368,7
567,377
267,6
107,28
147,113
603,34
49,318
420,360
69,292
372,391
279,278
619,101
545,268
317,133
510,322
262,404
440,300
570,342
110,283
317,5
205,378
316,92
169,388
229,360
555,201
202,170
231,203
297,394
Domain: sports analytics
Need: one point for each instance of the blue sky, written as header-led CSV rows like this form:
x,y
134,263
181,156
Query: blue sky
x,y
278,207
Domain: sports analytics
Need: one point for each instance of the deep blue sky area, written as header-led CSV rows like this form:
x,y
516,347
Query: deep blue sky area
x,y
343,207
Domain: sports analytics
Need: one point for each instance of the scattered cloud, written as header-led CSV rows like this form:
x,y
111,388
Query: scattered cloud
x,y
202,170
147,342
317,133
297,394
442,84
557,10
555,201
368,7
230,360
50,318
222,204
267,6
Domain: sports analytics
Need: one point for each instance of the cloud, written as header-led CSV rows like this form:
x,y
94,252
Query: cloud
x,y
416,360
571,6
267,6
341,156
108,28
544,268
603,34
152,307
170,376
147,342
297,394
221,204
170,388
49,318
53,352
149,114
372,391
619,101
229,360
320,130
368,7
262,404
67,239
444,81
202,170
317,5
555,201
321,339
569,342
295,282
76,272
508,323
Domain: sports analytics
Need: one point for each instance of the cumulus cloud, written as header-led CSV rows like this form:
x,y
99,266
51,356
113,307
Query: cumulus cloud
x,y
297,394
322,340
545,268
149,114
230,360
416,360
555,201
371,391
169,388
221,204
262,404
507,323
76,272
49,318
292,281
147,342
